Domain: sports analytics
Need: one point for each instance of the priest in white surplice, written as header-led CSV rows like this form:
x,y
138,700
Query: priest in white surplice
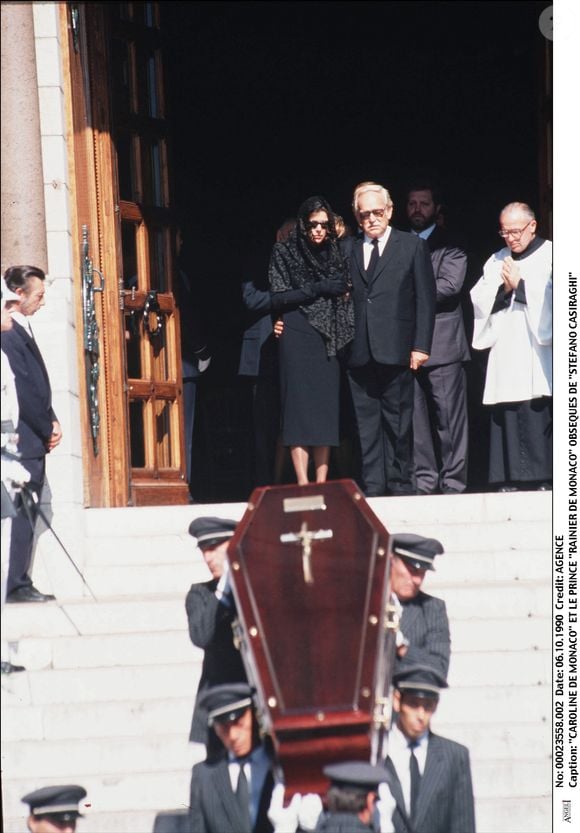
x,y
512,303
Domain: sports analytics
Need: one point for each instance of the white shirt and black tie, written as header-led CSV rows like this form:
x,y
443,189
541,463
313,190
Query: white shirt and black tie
x,y
368,246
401,751
255,768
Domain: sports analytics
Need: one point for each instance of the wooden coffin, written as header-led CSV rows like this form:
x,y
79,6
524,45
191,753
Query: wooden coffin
x,y
309,568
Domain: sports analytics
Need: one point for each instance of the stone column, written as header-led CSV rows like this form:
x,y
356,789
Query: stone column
x,y
23,224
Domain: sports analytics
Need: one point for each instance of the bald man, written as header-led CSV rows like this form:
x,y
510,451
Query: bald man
x,y
512,303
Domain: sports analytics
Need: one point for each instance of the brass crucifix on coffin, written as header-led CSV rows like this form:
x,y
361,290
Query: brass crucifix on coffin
x,y
306,537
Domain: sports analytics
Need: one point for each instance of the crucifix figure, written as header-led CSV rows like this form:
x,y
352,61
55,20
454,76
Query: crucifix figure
x,y
306,537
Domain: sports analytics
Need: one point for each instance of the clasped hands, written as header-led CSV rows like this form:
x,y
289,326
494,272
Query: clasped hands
x,y
510,274
330,287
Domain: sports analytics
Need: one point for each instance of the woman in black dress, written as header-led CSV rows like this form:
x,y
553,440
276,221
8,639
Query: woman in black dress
x,y
315,330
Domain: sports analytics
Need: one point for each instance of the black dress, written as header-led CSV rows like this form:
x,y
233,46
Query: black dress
x,y
313,333
309,385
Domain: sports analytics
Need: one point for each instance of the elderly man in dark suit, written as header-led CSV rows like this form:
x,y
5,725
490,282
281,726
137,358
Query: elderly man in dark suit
x,y
429,776
423,622
394,299
39,431
440,436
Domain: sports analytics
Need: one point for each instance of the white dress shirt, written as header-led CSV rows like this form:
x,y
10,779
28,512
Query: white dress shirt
x,y
427,232
24,321
368,245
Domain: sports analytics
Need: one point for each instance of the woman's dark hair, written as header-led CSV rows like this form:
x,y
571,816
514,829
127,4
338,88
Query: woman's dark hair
x,y
311,206
329,247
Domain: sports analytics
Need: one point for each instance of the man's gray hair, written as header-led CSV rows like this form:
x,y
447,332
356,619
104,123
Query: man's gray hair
x,y
363,187
522,207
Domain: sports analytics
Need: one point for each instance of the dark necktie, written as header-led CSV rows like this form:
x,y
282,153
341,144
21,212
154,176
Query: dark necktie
x,y
415,776
374,260
243,798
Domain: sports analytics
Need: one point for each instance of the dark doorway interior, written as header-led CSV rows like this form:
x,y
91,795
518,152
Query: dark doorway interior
x,y
272,102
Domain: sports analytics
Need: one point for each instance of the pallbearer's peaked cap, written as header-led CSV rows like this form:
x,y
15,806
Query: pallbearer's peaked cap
x,y
226,702
414,674
210,532
356,774
61,801
418,551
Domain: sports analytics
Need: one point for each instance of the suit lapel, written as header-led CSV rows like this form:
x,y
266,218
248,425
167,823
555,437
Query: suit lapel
x,y
31,345
433,774
262,821
396,790
409,620
388,253
228,798
359,258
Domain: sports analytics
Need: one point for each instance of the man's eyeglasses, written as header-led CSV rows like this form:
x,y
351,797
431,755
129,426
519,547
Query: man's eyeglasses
x,y
516,233
377,212
312,224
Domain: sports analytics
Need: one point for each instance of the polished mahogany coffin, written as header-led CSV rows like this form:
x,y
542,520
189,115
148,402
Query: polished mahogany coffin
x,y
310,574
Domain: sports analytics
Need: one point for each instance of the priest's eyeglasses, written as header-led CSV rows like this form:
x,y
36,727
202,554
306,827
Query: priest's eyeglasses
x,y
366,215
516,233
312,224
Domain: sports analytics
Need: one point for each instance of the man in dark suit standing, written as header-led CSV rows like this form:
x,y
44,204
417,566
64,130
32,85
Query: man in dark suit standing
x,y
429,776
259,359
39,431
423,622
394,299
440,414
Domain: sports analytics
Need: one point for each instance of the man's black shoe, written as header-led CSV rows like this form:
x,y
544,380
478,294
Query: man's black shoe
x,y
29,594
9,668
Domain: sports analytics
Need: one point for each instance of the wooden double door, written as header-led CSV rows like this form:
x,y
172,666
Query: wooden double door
x,y
123,228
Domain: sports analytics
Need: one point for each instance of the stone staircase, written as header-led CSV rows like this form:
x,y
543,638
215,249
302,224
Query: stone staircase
x,y
107,697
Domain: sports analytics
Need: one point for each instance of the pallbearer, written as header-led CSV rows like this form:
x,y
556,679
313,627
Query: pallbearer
x,y
54,809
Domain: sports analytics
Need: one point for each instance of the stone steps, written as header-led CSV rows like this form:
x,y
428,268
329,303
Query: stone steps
x,y
85,756
115,649
97,685
111,720
485,636
108,693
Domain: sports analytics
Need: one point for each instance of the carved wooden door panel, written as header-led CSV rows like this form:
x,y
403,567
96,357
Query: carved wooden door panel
x,y
141,410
